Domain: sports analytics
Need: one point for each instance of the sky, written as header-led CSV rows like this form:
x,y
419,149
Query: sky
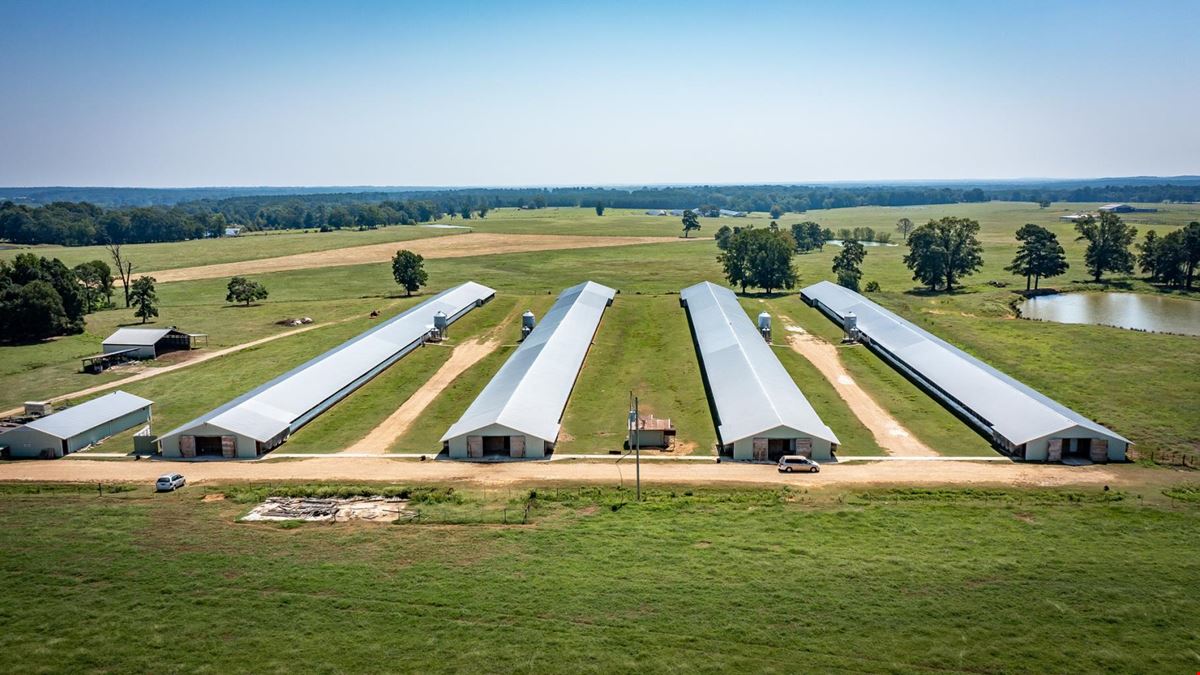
x,y
171,94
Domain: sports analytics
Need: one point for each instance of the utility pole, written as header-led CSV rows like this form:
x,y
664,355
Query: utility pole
x,y
635,441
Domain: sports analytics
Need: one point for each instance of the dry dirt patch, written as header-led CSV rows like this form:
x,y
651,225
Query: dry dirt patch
x,y
456,246
888,432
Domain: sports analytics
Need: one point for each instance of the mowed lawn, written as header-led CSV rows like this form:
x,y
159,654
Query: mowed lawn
x,y
690,581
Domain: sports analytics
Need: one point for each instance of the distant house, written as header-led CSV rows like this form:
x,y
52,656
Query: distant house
x,y
733,214
233,232
657,212
1074,217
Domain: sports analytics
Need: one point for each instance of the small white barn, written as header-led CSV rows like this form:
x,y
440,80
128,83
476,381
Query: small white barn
x,y
77,427
149,343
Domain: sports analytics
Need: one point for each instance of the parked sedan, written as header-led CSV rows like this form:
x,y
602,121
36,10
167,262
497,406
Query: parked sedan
x,y
790,463
169,482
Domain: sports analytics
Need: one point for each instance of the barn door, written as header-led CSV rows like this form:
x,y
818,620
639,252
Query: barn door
x,y
474,446
804,447
187,446
760,449
1099,450
1054,450
516,445
229,447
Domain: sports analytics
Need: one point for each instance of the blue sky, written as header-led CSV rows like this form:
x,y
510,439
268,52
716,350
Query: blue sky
x,y
389,93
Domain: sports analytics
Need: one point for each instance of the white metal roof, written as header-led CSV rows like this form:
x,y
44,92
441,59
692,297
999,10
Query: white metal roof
x,y
142,337
751,390
530,391
1018,412
274,407
80,418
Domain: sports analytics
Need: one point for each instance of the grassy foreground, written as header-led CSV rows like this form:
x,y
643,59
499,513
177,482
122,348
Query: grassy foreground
x,y
752,580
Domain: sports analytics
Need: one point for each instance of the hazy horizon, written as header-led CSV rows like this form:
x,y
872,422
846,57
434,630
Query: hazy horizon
x,y
540,94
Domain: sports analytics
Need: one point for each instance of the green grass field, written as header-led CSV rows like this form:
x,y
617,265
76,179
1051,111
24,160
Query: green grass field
x,y
689,581
1112,375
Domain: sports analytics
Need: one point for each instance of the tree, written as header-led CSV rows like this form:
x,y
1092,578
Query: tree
x,y
124,267
35,312
808,236
777,211
847,264
483,211
1148,254
144,298
599,208
690,222
1109,239
95,277
244,290
408,269
723,234
466,211
905,227
1043,203
761,258
1191,251
1039,255
940,251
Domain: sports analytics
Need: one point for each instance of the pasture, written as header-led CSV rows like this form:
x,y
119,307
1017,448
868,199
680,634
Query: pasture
x,y
692,579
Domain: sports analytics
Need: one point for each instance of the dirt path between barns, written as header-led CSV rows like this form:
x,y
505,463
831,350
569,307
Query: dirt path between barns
x,y
338,468
193,360
888,432
464,356
456,246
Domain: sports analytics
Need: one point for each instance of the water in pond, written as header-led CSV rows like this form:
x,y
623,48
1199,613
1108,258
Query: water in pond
x,y
1127,310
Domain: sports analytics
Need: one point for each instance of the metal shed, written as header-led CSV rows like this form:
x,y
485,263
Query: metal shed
x,y
760,412
1014,417
77,427
148,343
262,419
519,412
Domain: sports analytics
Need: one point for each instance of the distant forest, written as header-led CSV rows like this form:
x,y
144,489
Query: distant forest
x,y
82,223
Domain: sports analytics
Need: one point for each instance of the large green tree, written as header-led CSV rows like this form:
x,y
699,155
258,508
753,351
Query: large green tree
x,y
35,312
96,279
759,258
1191,251
847,264
1109,239
144,298
808,236
1038,256
241,289
408,269
905,227
942,251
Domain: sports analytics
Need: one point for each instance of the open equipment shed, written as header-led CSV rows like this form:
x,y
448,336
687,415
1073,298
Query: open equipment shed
x,y
77,427
262,419
761,414
149,343
1020,421
519,412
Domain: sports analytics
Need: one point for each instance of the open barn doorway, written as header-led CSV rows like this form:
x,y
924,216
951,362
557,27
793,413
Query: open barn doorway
x,y
208,446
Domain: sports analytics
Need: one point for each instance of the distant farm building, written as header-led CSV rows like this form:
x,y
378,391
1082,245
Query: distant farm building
x,y
1125,208
1017,419
1074,217
519,412
262,419
77,427
140,343
761,414
656,212
233,232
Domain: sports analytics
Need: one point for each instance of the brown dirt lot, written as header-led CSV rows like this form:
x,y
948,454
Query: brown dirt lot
x,y
335,468
456,246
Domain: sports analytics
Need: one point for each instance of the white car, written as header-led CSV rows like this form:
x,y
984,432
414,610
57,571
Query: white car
x,y
790,463
169,482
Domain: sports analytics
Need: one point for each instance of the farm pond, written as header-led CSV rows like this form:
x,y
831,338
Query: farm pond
x,y
1125,310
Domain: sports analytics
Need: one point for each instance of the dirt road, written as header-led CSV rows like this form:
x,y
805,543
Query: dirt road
x,y
193,360
457,246
334,468
464,356
888,432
